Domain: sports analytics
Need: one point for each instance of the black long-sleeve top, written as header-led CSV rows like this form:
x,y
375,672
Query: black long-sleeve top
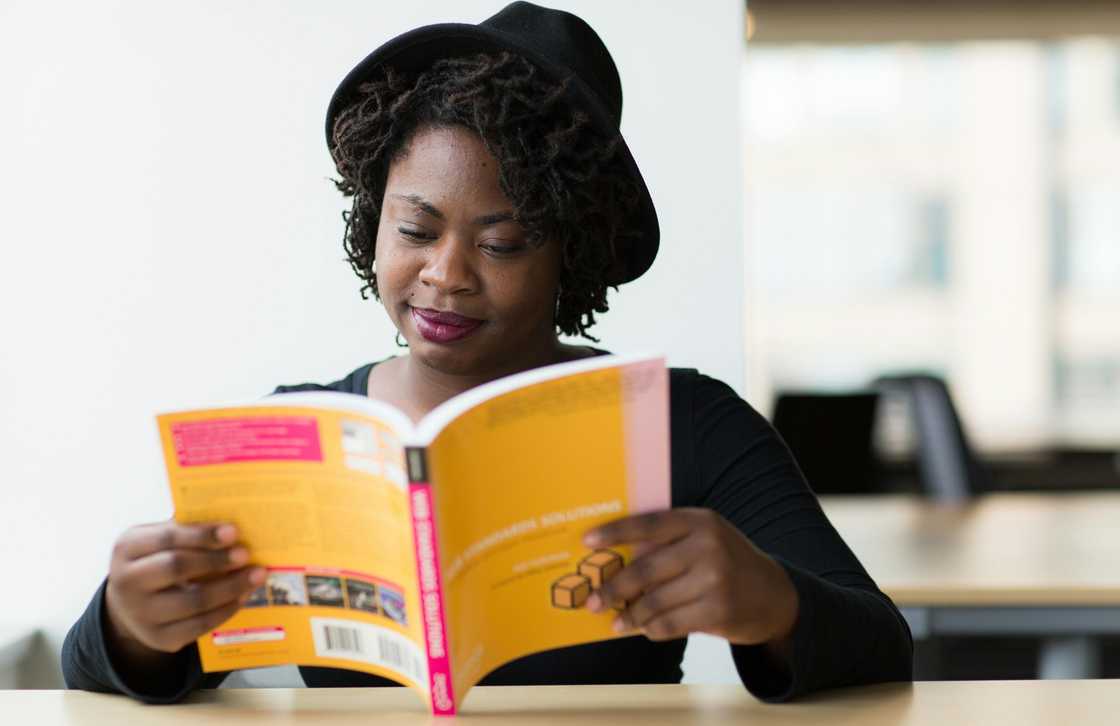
x,y
726,457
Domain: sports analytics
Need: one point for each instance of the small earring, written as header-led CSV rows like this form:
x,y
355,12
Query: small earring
x,y
401,342
373,268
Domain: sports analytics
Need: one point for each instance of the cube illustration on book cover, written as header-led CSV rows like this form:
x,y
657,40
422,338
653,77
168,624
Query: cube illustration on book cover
x,y
600,566
571,591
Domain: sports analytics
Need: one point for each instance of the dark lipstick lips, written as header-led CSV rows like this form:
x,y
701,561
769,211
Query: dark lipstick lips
x,y
443,317
441,326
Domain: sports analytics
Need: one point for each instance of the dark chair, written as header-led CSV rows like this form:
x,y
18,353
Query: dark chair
x,y
947,465
830,435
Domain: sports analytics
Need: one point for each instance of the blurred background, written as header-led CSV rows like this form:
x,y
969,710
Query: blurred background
x,y
932,242
860,202
937,187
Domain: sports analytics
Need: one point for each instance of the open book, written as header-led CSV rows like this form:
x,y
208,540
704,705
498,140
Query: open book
x,y
429,554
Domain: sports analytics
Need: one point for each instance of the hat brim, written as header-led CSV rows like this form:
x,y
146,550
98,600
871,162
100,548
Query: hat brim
x,y
417,49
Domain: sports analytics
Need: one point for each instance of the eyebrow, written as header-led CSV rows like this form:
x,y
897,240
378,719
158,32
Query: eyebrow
x,y
427,207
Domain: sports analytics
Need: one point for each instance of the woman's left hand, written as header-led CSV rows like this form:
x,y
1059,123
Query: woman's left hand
x,y
696,573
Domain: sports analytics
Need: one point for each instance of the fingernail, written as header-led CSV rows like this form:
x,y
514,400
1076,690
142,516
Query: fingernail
x,y
592,539
226,533
594,603
238,556
619,625
257,576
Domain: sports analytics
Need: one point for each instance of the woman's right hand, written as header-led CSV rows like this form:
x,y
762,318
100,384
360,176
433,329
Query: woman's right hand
x,y
169,583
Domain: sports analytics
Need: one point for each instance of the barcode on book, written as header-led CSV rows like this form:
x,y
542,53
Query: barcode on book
x,y
367,643
347,639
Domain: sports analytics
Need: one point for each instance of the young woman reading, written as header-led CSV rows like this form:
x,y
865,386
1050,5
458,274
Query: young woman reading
x,y
494,204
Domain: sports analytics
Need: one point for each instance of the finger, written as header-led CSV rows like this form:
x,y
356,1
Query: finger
x,y
641,575
656,527
678,622
174,636
180,603
169,567
672,594
150,538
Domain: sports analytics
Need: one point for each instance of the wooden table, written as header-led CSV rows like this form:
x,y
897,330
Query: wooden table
x,y
1013,564
989,703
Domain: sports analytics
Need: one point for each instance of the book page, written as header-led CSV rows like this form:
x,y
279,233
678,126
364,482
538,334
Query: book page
x,y
516,482
320,499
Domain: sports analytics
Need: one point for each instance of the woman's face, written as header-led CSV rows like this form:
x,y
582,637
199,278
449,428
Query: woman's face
x,y
459,280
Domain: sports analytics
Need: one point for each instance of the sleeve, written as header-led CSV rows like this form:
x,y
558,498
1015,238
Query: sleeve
x,y
848,632
87,664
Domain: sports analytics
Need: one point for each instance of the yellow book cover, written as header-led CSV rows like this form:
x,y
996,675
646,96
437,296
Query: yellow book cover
x,y
427,553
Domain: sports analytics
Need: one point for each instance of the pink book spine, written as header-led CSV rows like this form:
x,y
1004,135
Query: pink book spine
x,y
431,585
646,420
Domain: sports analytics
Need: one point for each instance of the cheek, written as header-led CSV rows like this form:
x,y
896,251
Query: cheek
x,y
531,295
394,270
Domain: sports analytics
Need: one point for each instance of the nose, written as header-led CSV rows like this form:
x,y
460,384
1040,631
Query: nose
x,y
448,268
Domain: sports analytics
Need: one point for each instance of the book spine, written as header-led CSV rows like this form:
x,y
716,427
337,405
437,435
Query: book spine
x,y
431,583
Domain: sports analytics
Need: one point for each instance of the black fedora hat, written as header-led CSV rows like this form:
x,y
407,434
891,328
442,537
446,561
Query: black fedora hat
x,y
564,47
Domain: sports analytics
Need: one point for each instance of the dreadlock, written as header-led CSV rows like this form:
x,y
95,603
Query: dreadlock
x,y
565,179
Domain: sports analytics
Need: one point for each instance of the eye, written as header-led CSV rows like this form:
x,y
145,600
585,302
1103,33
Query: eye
x,y
502,250
414,233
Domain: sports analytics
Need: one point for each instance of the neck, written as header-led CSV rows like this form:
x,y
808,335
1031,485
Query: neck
x,y
429,387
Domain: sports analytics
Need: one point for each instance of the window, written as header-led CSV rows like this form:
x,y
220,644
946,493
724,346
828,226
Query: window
x,y
940,207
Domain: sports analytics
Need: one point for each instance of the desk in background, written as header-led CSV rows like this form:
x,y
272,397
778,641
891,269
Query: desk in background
x,y
989,703
1005,564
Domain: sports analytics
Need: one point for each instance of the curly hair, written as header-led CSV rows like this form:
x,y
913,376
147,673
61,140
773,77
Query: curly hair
x,y
565,179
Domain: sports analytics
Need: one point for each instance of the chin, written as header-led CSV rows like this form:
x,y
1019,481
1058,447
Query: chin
x,y
455,360
472,359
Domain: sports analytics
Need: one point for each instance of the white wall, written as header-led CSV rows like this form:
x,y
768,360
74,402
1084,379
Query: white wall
x,y
169,236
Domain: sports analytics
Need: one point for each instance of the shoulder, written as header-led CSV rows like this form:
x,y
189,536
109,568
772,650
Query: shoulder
x,y
717,439
705,411
702,392
354,382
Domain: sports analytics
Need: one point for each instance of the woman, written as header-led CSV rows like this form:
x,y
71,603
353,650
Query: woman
x,y
494,202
